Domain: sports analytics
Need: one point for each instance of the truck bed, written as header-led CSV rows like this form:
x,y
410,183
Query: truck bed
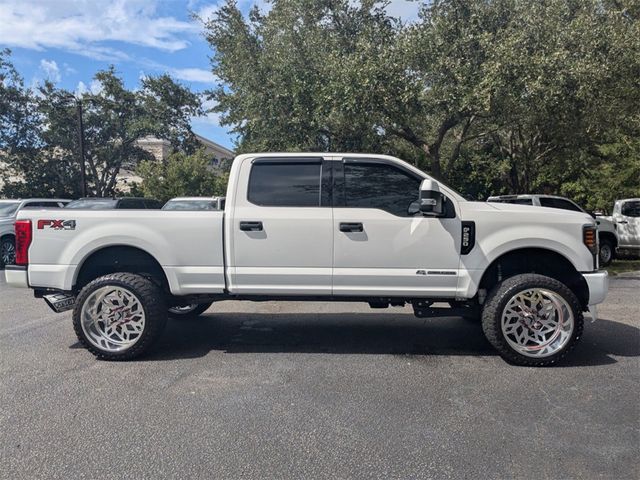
x,y
188,245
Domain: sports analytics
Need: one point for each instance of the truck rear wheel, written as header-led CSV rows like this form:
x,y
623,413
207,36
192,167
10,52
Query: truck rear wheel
x,y
119,316
532,320
189,311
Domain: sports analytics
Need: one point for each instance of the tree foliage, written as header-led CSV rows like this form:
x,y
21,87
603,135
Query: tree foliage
x,y
182,175
494,96
39,133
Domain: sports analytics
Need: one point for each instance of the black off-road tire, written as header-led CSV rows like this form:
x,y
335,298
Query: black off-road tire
x,y
153,303
607,244
496,302
199,310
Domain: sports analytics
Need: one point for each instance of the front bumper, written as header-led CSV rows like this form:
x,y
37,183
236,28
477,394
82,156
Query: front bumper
x,y
16,276
598,283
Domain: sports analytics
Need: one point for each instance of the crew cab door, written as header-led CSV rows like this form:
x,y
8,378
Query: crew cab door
x,y
281,239
379,247
626,216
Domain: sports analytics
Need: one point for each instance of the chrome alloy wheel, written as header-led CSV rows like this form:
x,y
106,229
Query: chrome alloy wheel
x,y
112,318
183,310
537,322
7,252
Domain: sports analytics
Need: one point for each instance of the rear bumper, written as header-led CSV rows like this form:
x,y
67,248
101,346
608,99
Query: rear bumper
x,y
16,276
598,283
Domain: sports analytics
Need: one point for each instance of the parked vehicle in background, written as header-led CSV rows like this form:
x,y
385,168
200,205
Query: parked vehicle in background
x,y
8,211
321,226
607,235
114,203
626,217
195,203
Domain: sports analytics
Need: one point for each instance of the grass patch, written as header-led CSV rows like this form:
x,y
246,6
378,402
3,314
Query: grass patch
x,y
622,266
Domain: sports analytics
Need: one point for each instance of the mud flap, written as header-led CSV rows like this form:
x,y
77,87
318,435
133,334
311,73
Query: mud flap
x,y
60,302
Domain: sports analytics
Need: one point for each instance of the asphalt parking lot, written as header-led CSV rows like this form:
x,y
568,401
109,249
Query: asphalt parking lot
x,y
317,390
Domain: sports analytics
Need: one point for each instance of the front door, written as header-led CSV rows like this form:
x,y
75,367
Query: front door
x,y
379,247
281,229
626,216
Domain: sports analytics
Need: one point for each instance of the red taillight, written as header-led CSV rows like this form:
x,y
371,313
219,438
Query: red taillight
x,y
23,240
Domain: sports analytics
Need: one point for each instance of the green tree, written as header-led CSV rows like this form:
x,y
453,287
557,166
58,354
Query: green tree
x,y
20,122
495,96
114,119
182,175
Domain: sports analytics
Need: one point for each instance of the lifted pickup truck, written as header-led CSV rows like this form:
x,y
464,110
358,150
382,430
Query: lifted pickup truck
x,y
344,227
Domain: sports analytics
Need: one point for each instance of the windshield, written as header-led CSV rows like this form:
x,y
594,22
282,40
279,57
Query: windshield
x,y
190,205
93,204
7,209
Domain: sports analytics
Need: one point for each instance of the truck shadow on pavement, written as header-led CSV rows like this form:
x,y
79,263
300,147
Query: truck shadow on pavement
x,y
361,333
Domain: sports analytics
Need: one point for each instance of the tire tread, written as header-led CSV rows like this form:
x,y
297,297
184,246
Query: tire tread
x,y
492,312
153,303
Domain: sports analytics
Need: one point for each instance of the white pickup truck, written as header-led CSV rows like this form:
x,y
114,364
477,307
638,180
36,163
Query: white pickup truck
x,y
343,227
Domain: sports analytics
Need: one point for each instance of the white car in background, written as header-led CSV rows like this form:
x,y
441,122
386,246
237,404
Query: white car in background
x,y
626,219
8,211
607,233
195,203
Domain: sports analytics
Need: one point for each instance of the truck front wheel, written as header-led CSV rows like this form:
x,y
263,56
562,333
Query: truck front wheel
x,y
532,320
119,316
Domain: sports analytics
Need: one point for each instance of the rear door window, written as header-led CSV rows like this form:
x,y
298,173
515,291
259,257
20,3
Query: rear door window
x,y
285,183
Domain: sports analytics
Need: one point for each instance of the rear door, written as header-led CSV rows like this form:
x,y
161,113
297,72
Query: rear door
x,y
379,247
282,241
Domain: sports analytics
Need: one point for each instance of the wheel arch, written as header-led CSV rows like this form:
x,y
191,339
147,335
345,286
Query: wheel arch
x,y
609,236
119,258
536,260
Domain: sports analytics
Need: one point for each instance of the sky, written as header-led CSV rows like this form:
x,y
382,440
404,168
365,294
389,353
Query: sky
x,y
68,41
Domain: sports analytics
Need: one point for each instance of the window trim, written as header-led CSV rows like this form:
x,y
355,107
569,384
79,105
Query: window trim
x,y
288,161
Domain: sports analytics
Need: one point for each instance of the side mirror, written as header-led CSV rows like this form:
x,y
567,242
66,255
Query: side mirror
x,y
431,200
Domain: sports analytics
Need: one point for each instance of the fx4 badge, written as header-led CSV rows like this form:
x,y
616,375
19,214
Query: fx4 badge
x,y
57,224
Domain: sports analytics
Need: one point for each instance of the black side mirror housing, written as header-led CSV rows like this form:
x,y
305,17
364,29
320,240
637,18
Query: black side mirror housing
x,y
431,199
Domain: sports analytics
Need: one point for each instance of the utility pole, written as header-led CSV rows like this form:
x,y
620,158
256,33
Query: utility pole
x,y
83,182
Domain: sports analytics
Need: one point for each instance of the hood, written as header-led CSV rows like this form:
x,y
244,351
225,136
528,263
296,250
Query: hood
x,y
525,213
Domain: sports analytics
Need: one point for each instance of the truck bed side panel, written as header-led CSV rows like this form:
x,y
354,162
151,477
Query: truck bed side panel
x,y
188,245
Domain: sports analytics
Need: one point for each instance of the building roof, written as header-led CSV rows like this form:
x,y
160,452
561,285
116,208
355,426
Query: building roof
x,y
223,151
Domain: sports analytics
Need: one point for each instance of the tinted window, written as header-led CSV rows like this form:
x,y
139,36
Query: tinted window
x,y
92,204
152,204
41,204
558,203
283,184
131,203
379,186
191,205
517,201
631,209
